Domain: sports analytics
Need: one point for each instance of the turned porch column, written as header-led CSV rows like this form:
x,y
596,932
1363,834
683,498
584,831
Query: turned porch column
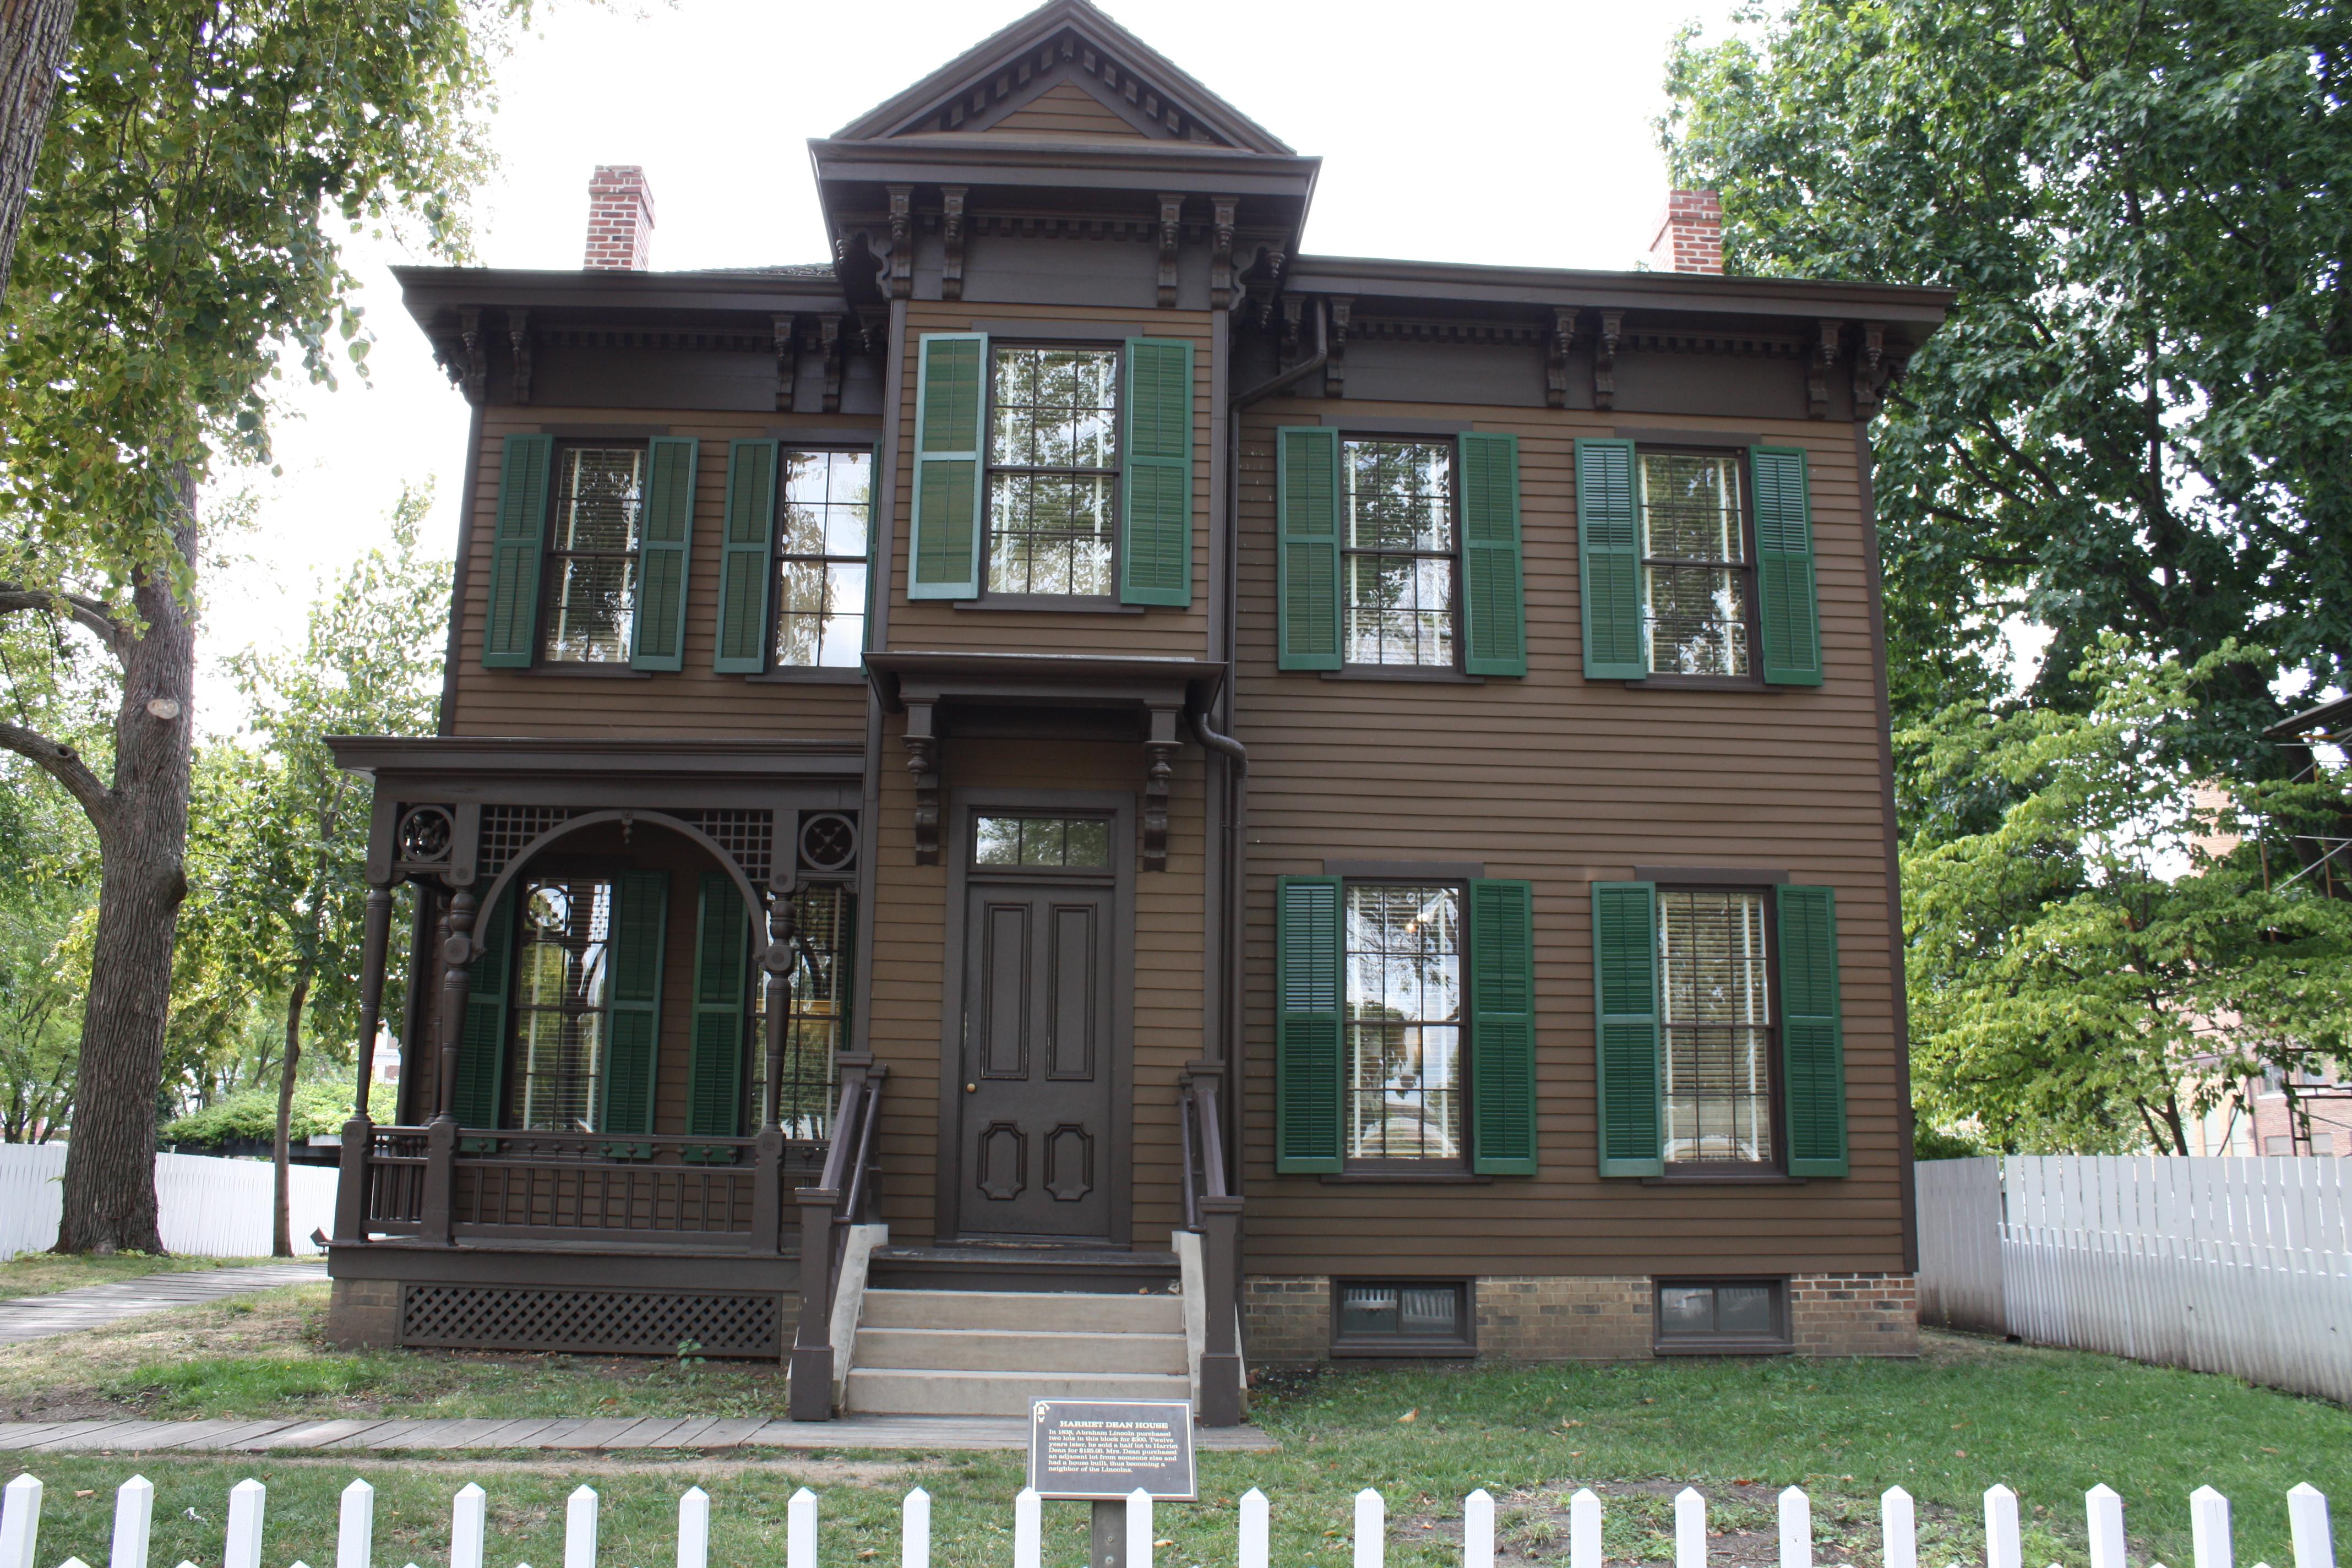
x,y
359,1132
768,1146
441,1134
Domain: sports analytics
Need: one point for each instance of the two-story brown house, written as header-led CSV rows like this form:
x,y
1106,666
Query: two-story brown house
x,y
1076,780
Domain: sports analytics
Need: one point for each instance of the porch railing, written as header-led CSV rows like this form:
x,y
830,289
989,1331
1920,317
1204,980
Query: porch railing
x,y
841,1196
1214,1211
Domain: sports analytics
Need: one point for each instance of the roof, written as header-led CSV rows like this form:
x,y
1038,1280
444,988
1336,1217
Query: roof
x,y
2327,718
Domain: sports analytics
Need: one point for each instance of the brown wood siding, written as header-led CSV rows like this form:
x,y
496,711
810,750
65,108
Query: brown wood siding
x,y
1067,109
1568,783
938,625
690,701
908,955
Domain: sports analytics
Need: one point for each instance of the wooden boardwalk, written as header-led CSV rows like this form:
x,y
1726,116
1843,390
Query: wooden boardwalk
x,y
92,1306
605,1435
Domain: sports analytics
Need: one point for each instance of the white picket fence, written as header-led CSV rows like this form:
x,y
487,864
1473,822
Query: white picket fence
x,y
210,1207
134,1509
2235,1266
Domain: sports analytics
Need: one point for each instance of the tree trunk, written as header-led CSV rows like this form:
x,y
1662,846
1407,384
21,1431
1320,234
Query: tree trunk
x,y
282,1225
32,39
142,836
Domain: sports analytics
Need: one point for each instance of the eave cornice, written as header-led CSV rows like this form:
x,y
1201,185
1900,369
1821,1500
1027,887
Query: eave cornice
x,y
1367,278
989,160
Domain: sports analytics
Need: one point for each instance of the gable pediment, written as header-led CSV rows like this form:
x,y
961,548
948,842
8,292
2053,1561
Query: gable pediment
x,y
1065,72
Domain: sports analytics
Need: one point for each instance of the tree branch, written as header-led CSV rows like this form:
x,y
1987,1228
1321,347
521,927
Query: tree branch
x,y
63,764
88,612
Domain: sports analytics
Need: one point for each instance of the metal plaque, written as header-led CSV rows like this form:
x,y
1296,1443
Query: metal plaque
x,y
1102,1450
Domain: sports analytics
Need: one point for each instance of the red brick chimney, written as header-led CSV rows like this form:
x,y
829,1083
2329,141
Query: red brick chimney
x,y
1690,234
620,220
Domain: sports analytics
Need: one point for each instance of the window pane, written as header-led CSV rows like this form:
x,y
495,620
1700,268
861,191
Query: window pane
x,y
826,504
1368,1309
1401,609
1690,507
595,596
560,974
1400,495
599,503
821,613
1685,1309
1055,408
1712,968
820,1011
1429,1310
1403,1019
1743,1308
1049,533
1080,842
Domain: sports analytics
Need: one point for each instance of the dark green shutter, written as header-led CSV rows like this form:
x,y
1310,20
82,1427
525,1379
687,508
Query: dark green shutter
x,y
1307,486
660,634
633,1013
1787,606
1308,1051
1609,561
747,572
951,396
511,620
1625,1028
714,1090
1494,595
482,1042
1812,1043
1155,560
1503,1028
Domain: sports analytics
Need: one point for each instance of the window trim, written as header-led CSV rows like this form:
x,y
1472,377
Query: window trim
x,y
1753,621
1393,1168
1782,1342
991,598
772,668
1352,669
551,558
1763,1172
1418,1346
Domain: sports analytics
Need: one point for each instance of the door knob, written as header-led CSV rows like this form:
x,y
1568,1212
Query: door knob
x,y
972,1088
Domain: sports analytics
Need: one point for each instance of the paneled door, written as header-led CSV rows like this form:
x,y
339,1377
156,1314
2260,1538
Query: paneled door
x,y
1037,1072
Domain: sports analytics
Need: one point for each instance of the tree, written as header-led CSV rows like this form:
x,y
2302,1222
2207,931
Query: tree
x,y
2134,419
2114,952
33,37
179,249
294,894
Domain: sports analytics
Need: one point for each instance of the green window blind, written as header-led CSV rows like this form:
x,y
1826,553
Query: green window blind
x,y
1494,595
1307,501
511,620
482,1040
633,1021
659,640
1503,1028
1625,1028
714,1092
747,571
1812,1043
951,396
1307,1045
1787,606
1155,558
1609,561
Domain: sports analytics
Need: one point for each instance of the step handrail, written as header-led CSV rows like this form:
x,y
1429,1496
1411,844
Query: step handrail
x,y
1213,1212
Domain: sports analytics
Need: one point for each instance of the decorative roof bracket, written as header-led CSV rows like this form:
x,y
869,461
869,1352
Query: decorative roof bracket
x,y
952,230
1604,359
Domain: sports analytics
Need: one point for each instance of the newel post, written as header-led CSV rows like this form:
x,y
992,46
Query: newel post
x,y
441,1134
1221,1357
812,1360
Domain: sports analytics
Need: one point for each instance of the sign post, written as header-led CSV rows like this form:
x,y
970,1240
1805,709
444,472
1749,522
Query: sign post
x,y
1102,1451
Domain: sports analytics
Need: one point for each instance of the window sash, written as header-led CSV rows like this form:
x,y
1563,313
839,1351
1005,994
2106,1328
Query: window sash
x,y
562,1007
1406,1097
1731,643
843,578
1718,1028
1447,616
1090,553
587,623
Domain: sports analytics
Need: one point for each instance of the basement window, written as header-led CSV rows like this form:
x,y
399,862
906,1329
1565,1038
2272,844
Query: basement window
x,y
1401,1317
1702,1317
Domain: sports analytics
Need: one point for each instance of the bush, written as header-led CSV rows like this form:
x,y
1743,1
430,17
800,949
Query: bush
x,y
252,1113
1940,1143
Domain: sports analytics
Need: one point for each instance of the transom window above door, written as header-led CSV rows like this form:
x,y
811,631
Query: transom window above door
x,y
593,556
1398,550
1077,842
1053,471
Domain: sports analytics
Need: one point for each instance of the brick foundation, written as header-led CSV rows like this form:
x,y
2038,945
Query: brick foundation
x,y
362,1314
1287,1318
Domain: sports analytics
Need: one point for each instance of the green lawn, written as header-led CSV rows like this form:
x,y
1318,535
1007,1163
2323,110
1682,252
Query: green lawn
x,y
41,1273
1967,1413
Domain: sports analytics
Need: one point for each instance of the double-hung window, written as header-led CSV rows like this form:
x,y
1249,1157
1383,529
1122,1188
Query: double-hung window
x,y
562,971
1053,471
821,550
1715,1014
1399,552
593,556
1403,1021
820,1012
1695,567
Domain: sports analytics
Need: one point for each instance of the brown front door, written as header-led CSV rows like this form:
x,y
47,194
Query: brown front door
x,y
1037,1133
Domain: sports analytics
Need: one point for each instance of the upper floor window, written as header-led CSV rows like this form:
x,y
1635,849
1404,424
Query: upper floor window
x,y
1398,551
820,553
593,557
1715,1015
1052,472
1694,563
560,973
1403,1021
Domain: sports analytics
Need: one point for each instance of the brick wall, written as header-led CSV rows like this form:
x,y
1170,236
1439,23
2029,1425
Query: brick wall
x,y
364,1313
1855,1314
1690,234
620,220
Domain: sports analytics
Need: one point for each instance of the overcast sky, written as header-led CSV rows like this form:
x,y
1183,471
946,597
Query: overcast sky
x,y
1483,130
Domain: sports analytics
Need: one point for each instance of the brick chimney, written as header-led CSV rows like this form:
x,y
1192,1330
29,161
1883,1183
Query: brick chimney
x,y
1690,234
620,220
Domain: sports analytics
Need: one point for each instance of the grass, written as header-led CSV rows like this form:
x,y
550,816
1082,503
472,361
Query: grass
x,y
1967,1413
44,1273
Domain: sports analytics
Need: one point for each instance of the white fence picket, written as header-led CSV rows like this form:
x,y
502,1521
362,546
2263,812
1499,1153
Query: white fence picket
x,y
135,1523
1029,1529
206,1206
2002,1549
580,1528
1795,1529
1257,1531
355,1527
1898,1529
1139,1529
1584,1530
2209,1527
915,1529
2104,1508
800,1533
468,1515
1479,1530
2307,1516
20,1521
694,1529
1372,1528
246,1500
1690,1529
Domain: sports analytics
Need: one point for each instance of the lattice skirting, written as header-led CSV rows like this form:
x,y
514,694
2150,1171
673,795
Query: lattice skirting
x,y
622,1323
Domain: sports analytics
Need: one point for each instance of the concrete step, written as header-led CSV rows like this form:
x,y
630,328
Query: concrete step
x,y
884,1391
1018,1349
1038,1311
